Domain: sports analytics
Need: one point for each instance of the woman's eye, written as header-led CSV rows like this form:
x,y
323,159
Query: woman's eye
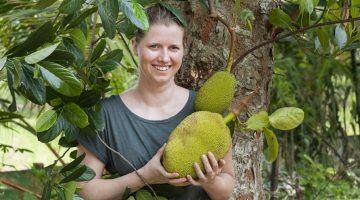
x,y
154,46
174,48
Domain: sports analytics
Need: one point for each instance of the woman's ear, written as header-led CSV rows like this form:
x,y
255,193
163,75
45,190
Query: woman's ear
x,y
134,46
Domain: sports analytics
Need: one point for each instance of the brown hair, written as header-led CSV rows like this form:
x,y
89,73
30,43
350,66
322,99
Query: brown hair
x,y
157,14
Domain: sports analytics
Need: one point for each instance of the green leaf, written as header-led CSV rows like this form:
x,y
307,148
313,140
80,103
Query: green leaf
x,y
308,5
2,62
76,52
79,38
44,4
70,131
61,79
272,143
126,193
108,65
135,13
41,54
178,14
323,38
73,164
61,57
37,38
355,8
340,36
13,67
108,11
143,195
8,115
46,194
286,118
280,18
81,17
76,115
70,6
69,189
53,132
32,88
98,50
258,121
46,120
74,175
89,98
64,143
87,175
96,118
115,55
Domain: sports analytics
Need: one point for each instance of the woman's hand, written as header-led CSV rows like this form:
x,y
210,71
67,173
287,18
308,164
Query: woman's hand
x,y
154,173
212,169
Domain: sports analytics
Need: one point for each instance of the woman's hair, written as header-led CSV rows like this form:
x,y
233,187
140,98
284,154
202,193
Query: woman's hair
x,y
157,14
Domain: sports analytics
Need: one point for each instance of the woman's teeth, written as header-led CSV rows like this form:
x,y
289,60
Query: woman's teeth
x,y
162,68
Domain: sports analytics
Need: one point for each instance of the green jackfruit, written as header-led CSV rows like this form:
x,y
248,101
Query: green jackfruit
x,y
217,93
196,135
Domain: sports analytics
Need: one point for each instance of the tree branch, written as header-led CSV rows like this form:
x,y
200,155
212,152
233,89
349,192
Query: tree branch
x,y
19,187
242,56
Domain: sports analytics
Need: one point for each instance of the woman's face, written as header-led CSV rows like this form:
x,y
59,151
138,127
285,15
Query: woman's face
x,y
160,53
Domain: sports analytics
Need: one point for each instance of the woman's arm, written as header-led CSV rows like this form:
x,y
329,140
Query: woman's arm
x,y
98,188
218,180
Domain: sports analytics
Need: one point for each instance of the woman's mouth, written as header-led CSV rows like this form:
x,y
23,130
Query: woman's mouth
x,y
162,68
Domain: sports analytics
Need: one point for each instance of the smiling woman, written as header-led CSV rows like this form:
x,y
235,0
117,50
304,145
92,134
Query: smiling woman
x,y
138,123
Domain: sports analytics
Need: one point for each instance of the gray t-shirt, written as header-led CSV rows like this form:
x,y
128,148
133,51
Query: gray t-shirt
x,y
138,139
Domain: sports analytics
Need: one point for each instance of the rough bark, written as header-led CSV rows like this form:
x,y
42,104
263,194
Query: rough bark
x,y
207,51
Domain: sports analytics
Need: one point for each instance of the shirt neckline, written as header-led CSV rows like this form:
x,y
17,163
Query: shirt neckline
x,y
127,110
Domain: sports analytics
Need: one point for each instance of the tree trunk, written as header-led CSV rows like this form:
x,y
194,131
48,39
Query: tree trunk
x,y
207,52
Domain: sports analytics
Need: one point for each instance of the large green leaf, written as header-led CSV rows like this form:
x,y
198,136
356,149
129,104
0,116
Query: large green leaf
x,y
108,65
53,132
37,38
41,54
179,15
98,50
13,67
32,88
69,189
76,52
74,175
79,38
61,57
76,115
44,4
46,120
258,121
143,195
61,79
286,118
73,164
96,118
135,13
272,143
280,18
81,17
108,11
70,6
89,98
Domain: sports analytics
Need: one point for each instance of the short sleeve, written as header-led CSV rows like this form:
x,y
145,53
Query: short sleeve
x,y
94,145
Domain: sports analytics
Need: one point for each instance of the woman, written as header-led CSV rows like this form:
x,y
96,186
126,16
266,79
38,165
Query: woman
x,y
139,121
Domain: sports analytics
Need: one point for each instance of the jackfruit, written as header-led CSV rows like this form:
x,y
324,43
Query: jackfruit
x,y
196,135
217,93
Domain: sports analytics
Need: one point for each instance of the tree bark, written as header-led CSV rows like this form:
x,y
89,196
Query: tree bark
x,y
207,52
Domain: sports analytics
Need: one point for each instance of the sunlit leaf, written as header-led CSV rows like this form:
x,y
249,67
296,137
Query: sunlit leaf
x,y
76,115
79,38
286,118
272,143
135,13
340,36
13,67
46,120
41,54
69,190
143,195
53,132
258,121
2,62
61,79
280,18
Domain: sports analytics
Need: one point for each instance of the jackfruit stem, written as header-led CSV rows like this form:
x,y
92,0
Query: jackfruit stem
x,y
229,117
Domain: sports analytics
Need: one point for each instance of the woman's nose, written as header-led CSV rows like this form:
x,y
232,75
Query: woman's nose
x,y
164,56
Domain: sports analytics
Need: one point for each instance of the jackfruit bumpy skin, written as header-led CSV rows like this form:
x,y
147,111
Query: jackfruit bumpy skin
x,y
217,93
196,135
